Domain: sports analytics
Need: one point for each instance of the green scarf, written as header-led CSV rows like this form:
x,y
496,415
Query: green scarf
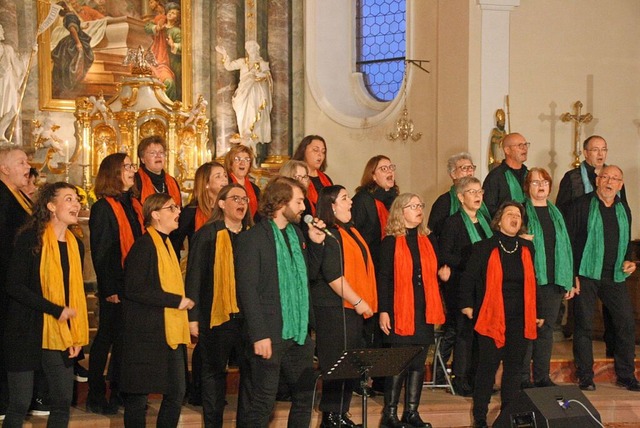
x,y
593,254
563,255
294,293
455,204
515,188
471,229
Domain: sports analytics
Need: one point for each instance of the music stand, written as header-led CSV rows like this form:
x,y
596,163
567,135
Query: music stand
x,y
365,363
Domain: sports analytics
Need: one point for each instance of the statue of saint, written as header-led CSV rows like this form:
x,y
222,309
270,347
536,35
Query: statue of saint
x,y
252,100
12,70
498,133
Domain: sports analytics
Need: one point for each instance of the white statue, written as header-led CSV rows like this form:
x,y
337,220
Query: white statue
x,y
100,106
44,135
12,70
252,100
198,108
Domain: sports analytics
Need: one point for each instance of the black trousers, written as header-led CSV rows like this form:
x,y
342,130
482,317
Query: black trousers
x,y
489,357
450,326
615,297
107,337
335,334
462,366
296,364
216,345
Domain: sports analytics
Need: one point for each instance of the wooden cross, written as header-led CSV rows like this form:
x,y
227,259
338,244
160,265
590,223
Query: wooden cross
x,y
578,120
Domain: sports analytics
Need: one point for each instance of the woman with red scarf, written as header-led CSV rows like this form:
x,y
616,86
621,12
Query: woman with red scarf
x,y
498,291
343,294
238,161
410,302
313,151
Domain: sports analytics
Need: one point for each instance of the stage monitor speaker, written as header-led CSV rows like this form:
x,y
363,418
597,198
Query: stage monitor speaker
x,y
549,407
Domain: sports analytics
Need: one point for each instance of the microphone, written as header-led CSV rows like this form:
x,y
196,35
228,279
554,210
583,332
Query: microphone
x,y
309,220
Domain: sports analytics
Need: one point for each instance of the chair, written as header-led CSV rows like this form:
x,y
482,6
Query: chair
x,y
438,361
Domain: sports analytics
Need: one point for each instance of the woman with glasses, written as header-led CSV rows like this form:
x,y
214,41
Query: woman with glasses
x,y
299,171
410,302
498,292
343,294
553,262
113,225
312,150
155,322
461,230
216,319
151,177
238,162
47,323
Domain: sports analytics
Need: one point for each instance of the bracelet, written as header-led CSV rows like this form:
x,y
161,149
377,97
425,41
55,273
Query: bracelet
x,y
357,303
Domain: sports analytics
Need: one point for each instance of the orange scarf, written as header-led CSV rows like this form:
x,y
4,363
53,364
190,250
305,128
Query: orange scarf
x,y
201,219
491,320
403,302
383,216
360,275
251,194
312,193
124,227
148,189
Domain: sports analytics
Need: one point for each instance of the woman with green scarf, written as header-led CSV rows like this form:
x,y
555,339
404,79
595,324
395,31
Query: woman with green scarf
x,y
553,263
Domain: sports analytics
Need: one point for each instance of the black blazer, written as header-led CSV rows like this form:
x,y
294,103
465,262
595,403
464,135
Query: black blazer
x,y
496,189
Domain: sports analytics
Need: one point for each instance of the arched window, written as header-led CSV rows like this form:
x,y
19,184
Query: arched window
x,y
381,45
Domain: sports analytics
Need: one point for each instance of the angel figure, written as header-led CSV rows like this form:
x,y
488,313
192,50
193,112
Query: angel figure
x,y
100,106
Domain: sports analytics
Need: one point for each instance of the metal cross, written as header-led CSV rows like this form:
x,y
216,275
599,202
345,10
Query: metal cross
x,y
578,120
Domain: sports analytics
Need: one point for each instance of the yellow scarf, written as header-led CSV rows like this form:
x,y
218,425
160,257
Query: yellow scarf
x,y
24,202
224,281
176,322
58,335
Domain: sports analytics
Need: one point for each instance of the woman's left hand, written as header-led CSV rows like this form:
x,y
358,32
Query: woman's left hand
x,y
539,322
74,351
385,323
444,273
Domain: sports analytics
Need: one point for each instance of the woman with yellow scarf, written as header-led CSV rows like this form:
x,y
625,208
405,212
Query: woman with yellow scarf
x,y
47,315
155,322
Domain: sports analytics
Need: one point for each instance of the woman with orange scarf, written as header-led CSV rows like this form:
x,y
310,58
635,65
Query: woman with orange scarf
x,y
47,323
410,302
498,291
312,150
238,162
114,225
343,294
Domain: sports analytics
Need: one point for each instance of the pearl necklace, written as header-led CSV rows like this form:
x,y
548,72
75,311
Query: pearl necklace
x,y
507,251
236,231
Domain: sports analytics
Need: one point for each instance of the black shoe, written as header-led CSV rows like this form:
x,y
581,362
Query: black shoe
x,y
631,384
544,383
412,419
80,374
390,418
526,384
336,420
587,384
102,406
38,408
480,423
462,387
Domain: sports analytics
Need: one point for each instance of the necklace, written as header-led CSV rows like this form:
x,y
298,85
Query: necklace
x,y
235,230
507,251
156,189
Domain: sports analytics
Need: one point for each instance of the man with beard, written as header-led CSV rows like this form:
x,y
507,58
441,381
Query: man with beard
x,y
599,226
273,291
504,183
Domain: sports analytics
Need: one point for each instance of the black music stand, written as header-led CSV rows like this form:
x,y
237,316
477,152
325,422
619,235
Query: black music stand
x,y
365,363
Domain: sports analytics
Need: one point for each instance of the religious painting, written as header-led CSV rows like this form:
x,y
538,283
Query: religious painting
x,y
81,53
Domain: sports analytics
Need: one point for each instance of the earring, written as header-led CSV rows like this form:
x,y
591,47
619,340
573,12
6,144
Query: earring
x,y
334,212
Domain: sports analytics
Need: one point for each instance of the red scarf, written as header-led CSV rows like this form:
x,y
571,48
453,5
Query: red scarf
x,y
312,193
251,194
360,275
383,216
201,219
403,302
148,189
491,321
124,227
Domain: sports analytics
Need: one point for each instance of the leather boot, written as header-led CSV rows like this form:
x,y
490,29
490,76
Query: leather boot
x,y
392,388
337,420
410,416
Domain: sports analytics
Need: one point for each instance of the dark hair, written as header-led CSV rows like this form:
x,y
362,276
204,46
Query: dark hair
x,y
495,222
217,213
109,178
233,152
277,193
528,179
146,142
302,148
153,203
367,182
41,214
324,208
588,140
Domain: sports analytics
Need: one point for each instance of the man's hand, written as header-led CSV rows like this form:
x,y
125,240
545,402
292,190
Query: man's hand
x,y
263,348
628,267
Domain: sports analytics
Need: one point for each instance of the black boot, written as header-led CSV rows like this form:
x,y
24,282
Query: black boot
x,y
392,388
337,420
410,416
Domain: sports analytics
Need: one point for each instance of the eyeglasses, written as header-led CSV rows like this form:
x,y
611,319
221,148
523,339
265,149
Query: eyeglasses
x,y
609,178
387,168
415,206
130,166
540,183
598,150
521,146
238,199
467,168
301,177
239,159
156,154
172,207
475,191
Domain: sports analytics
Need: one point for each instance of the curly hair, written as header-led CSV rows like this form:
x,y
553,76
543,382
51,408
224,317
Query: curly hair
x,y
324,208
217,214
302,148
366,182
277,193
395,223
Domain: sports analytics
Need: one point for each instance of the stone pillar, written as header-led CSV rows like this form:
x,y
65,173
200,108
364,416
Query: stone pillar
x,y
279,48
297,75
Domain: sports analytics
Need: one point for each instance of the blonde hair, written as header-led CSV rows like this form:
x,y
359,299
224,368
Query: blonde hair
x,y
395,223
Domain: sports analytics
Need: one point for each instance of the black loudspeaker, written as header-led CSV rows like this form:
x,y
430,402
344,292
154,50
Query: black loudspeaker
x,y
550,407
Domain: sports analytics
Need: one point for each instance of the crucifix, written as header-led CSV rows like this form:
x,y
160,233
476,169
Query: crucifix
x,y
578,120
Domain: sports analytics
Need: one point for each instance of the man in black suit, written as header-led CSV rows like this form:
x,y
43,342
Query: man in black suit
x,y
273,292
